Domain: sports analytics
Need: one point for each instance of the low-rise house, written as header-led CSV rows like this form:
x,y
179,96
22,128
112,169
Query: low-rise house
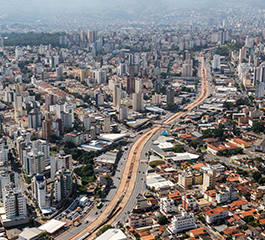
x,y
213,215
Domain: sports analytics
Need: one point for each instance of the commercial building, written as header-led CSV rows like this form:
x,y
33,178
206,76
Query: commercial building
x,y
112,234
30,234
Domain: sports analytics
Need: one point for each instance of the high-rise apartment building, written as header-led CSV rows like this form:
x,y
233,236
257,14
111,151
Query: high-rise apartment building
x,y
107,124
209,178
138,101
116,96
14,203
34,162
34,119
39,190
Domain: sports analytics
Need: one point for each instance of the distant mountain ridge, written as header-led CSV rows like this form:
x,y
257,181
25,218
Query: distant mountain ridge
x,y
32,10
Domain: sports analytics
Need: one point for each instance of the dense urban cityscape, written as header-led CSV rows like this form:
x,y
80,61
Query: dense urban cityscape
x,y
133,124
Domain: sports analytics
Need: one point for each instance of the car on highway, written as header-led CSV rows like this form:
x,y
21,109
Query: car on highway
x,y
87,221
96,213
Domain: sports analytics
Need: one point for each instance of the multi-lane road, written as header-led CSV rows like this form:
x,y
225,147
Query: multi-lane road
x,y
133,176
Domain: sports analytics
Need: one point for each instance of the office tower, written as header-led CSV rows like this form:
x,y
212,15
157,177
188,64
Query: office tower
x,y
34,119
123,113
107,124
156,99
116,96
18,52
138,101
14,203
60,161
50,100
39,190
59,71
209,178
101,76
62,184
46,129
100,99
1,44
44,147
170,95
216,63
34,162
130,85
87,122
138,85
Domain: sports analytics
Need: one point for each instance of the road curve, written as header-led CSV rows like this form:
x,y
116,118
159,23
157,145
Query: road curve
x,y
129,176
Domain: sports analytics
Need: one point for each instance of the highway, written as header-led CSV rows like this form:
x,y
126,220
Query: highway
x,y
123,200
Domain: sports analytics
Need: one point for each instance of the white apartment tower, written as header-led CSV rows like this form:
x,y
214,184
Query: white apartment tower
x,y
39,190
14,203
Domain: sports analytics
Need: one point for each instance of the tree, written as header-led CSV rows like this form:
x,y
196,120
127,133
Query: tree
x,y
256,175
194,144
258,127
178,148
228,105
162,220
103,229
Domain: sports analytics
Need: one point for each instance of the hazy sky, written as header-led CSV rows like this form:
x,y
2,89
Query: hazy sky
x,y
34,9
